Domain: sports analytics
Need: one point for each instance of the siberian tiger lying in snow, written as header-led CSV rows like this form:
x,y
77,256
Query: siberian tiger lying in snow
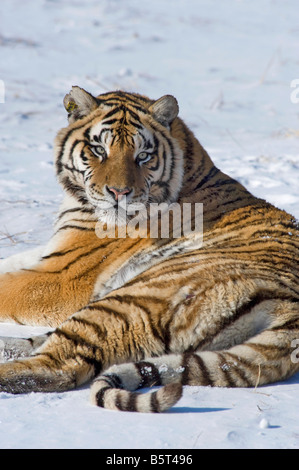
x,y
137,312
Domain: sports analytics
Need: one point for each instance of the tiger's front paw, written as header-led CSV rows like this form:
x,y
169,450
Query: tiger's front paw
x,y
14,348
25,260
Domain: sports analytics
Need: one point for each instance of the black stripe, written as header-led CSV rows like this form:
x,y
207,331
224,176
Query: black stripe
x,y
75,143
109,123
74,189
95,327
149,374
105,129
203,378
56,361
153,167
132,402
75,209
100,396
114,380
129,299
110,311
113,111
220,183
62,253
165,137
93,349
76,227
248,210
83,156
240,365
136,124
127,98
155,406
118,402
228,321
213,172
189,150
291,325
73,169
66,138
164,160
82,255
271,352
94,363
231,201
133,115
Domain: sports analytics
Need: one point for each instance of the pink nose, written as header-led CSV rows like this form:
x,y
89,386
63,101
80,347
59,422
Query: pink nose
x,y
118,193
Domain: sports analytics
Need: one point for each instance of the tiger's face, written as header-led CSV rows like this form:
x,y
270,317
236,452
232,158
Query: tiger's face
x,y
118,154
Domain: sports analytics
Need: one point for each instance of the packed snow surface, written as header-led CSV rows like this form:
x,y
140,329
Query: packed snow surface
x,y
231,66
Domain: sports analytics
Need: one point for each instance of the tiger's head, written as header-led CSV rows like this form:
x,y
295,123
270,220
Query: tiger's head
x,y
118,146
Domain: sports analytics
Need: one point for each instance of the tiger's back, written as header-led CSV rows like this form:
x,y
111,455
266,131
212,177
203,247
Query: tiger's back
x,y
218,308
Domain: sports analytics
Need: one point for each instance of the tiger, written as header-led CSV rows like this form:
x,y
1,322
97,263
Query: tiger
x,y
216,306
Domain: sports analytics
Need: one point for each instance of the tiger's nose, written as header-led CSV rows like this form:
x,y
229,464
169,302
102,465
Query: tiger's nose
x,y
118,193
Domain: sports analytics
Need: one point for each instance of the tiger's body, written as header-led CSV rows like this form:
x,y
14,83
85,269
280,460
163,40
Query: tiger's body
x,y
133,312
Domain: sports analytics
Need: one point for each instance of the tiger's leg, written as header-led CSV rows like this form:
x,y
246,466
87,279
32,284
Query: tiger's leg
x,y
62,281
13,348
265,358
109,333
33,297
87,343
25,260
58,284
15,264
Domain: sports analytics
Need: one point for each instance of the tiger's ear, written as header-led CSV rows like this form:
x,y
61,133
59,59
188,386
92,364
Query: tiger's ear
x,y
79,103
165,110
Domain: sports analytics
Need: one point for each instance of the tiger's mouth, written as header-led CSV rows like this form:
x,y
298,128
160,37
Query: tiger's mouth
x,y
119,212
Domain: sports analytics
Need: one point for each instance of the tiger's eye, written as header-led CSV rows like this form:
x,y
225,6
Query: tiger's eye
x,y
143,157
98,151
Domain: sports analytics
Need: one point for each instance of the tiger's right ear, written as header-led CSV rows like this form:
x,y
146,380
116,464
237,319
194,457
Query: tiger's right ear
x,y
79,103
165,110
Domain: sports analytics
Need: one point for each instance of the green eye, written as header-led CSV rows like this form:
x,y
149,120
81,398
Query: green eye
x,y
98,151
143,157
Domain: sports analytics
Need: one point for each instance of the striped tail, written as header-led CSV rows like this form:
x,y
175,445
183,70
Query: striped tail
x,y
115,389
106,395
265,358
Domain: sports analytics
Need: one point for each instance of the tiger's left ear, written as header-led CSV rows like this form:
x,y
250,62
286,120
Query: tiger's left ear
x,y
79,103
165,110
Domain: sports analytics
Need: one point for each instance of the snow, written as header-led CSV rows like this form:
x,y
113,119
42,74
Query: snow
x,y
230,64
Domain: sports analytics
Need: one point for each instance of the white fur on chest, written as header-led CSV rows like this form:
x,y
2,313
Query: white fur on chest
x,y
25,260
139,263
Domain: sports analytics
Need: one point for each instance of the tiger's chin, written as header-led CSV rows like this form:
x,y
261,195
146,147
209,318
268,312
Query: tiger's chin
x,y
117,216
113,217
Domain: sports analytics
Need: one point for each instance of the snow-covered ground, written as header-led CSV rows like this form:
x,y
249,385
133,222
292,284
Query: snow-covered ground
x,y
230,64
